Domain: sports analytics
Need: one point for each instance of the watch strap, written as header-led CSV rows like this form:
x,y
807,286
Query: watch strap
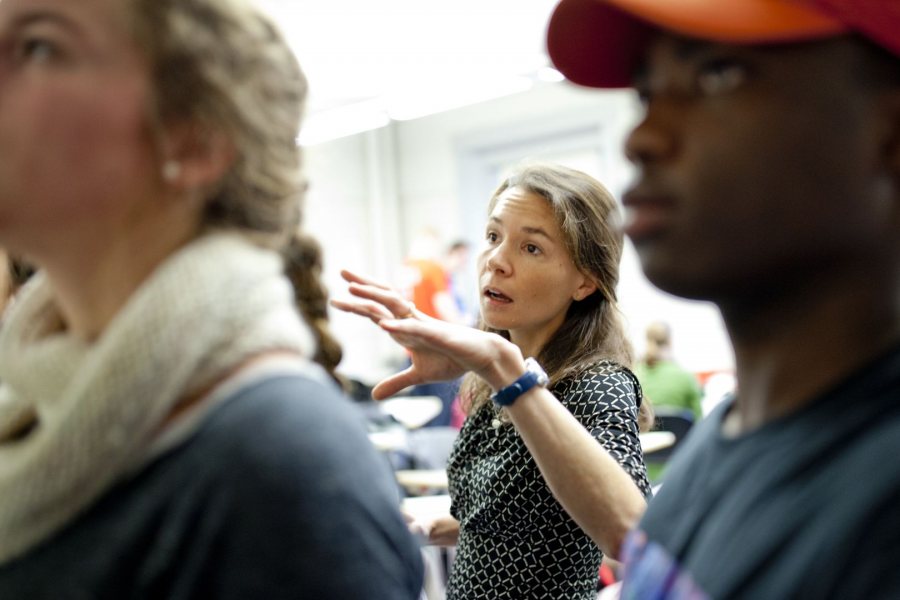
x,y
534,375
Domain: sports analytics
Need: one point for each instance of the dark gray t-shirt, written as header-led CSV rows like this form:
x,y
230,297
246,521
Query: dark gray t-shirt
x,y
278,495
804,507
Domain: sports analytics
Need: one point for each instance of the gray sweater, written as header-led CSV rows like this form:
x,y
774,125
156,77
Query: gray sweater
x,y
278,495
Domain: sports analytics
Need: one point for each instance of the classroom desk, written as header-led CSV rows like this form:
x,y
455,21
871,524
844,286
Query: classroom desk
x,y
423,508
413,411
419,480
388,440
651,441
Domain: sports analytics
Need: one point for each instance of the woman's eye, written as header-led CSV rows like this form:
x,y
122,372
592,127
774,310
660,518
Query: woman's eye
x,y
721,76
491,236
532,249
36,50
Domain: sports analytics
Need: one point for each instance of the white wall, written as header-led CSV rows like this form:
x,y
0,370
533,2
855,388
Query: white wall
x,y
351,208
372,192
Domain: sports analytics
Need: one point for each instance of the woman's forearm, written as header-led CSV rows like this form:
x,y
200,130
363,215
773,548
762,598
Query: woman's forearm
x,y
592,487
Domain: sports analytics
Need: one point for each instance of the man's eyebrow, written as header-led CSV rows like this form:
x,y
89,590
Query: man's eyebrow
x,y
685,49
641,73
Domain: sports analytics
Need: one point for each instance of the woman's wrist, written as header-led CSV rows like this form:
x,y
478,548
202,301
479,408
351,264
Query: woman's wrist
x,y
507,374
507,367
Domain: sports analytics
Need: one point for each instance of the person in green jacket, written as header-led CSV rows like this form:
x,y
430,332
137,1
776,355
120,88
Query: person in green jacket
x,y
665,383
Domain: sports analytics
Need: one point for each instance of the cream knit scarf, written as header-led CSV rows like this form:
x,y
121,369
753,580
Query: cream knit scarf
x,y
97,406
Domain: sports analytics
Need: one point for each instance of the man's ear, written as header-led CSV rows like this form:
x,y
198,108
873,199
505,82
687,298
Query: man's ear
x,y
194,157
891,139
889,153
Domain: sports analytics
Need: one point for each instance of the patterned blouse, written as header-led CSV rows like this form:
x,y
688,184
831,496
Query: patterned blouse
x,y
516,542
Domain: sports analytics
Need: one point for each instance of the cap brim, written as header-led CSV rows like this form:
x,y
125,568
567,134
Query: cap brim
x,y
598,43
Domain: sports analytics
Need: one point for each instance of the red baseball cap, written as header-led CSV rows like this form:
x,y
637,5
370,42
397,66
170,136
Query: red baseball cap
x,y
598,43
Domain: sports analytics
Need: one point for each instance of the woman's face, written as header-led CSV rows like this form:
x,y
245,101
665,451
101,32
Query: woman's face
x,y
75,149
527,276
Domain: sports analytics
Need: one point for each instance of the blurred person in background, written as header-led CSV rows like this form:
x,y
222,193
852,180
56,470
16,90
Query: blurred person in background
x,y
427,281
12,278
456,259
673,392
164,429
665,383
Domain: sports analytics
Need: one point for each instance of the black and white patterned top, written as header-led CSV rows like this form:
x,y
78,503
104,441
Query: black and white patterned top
x,y
516,542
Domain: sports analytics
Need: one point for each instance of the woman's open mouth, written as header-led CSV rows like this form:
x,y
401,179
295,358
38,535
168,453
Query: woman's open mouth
x,y
496,295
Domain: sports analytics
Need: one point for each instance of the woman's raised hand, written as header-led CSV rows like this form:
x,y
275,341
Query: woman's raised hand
x,y
378,301
439,350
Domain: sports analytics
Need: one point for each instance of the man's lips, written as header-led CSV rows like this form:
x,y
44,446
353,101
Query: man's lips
x,y
647,214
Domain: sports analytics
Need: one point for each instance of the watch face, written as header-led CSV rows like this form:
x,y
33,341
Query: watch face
x,y
533,366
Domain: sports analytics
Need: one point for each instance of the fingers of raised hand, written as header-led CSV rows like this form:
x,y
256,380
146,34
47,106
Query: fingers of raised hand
x,y
391,300
371,310
351,277
409,341
393,384
427,332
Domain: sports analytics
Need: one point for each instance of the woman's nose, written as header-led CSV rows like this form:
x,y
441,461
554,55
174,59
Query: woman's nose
x,y
496,259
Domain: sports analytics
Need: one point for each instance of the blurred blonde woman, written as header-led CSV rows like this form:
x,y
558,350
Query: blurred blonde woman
x,y
7,287
547,473
12,278
164,429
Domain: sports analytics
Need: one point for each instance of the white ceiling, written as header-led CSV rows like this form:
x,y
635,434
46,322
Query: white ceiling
x,y
375,60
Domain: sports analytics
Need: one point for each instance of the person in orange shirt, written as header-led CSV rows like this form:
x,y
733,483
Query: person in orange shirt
x,y
427,284
430,288
426,281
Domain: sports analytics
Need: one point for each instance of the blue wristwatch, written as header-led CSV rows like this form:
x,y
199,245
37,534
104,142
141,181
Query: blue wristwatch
x,y
534,375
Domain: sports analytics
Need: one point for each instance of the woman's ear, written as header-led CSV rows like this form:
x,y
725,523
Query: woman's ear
x,y
584,290
195,157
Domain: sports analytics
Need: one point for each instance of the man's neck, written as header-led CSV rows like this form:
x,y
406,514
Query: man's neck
x,y
792,349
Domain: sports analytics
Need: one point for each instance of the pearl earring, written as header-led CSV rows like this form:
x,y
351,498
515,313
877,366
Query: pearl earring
x,y
171,170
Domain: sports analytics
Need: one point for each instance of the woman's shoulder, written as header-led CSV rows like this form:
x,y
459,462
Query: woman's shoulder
x,y
602,370
599,382
275,422
278,416
278,467
289,440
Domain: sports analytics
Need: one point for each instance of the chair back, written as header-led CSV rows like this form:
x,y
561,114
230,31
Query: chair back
x,y
678,422
430,447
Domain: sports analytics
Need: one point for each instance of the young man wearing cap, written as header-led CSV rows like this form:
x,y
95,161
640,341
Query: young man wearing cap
x,y
769,183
